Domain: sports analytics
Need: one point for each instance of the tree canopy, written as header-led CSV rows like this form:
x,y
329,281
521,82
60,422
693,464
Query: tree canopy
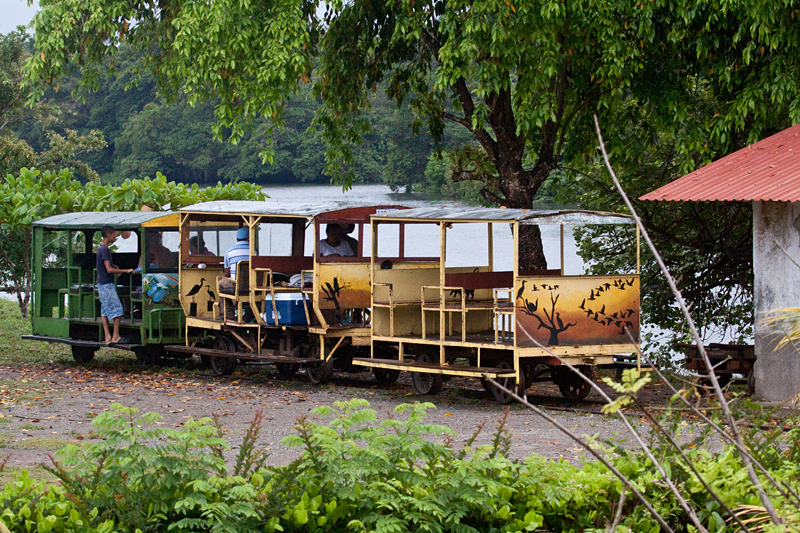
x,y
675,84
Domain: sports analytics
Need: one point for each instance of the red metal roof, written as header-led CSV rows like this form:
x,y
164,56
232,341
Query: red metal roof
x,y
766,170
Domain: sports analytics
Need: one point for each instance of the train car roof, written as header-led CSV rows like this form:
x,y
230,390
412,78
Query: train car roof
x,y
280,208
497,214
119,220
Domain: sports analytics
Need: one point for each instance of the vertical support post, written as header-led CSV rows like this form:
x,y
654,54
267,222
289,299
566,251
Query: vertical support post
x,y
401,240
562,248
442,262
490,241
638,251
515,232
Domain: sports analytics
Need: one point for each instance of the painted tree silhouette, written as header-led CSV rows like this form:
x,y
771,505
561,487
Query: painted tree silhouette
x,y
554,324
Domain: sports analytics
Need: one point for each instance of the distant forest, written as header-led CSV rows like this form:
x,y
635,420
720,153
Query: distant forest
x,y
146,134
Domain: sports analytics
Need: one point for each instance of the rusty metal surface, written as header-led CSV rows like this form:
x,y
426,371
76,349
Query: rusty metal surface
x,y
496,214
768,170
97,219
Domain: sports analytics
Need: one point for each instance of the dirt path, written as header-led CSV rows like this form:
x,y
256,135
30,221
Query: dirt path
x,y
42,408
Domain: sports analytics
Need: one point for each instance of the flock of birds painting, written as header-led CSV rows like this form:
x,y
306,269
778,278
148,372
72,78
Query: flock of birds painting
x,y
617,319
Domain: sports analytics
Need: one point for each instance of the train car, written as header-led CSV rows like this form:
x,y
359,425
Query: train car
x,y
65,306
285,302
439,318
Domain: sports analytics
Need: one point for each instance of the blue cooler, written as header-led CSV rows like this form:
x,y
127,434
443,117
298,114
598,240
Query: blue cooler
x,y
290,309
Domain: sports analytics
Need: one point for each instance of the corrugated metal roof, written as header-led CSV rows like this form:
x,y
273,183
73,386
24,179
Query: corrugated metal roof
x,y
496,214
119,220
766,170
267,207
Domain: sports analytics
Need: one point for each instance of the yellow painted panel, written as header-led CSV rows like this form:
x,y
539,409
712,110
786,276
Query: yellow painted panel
x,y
345,284
406,282
199,291
577,311
171,220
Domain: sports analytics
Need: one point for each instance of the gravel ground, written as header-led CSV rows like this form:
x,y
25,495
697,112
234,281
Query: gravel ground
x,y
42,408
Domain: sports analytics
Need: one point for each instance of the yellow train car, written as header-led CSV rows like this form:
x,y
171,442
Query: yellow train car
x,y
438,319
292,299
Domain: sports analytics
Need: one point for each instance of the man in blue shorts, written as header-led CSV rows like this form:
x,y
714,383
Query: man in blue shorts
x,y
110,306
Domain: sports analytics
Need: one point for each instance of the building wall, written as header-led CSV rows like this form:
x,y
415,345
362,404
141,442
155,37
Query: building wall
x,y
776,284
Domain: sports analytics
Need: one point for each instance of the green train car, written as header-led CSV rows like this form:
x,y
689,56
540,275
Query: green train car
x,y
66,308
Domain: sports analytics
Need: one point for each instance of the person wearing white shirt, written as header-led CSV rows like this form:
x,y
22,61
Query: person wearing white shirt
x,y
333,244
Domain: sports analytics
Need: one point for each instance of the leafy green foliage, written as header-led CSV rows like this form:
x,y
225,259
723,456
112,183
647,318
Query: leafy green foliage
x,y
28,505
144,477
56,150
358,473
33,194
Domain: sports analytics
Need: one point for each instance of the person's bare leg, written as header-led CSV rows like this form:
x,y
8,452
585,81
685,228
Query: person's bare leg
x,y
106,331
116,336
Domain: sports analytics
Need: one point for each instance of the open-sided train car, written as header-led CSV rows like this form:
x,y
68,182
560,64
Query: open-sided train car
x,y
438,319
290,305
65,306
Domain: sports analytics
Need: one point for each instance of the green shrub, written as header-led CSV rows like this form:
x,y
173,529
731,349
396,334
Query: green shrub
x,y
28,505
357,474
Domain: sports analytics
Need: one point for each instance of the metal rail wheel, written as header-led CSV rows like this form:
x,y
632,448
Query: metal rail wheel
x,y
222,365
83,354
425,383
149,355
572,386
510,383
322,373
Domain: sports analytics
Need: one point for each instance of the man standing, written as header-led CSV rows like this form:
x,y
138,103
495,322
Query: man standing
x,y
110,306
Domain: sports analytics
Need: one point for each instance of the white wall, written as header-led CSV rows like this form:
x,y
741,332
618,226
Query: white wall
x,y
776,284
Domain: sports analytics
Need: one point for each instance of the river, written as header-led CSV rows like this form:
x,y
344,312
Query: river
x,y
461,243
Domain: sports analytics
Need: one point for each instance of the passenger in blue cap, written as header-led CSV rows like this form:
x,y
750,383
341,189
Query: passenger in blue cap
x,y
238,252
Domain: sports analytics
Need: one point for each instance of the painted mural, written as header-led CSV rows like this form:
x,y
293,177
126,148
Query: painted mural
x,y
160,289
344,286
577,311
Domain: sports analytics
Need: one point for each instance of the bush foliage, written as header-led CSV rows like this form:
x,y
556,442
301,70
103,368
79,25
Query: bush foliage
x,y
357,474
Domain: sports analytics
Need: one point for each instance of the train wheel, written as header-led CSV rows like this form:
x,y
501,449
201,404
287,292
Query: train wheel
x,y
385,376
424,383
223,365
574,387
751,382
149,355
318,374
83,354
502,396
287,370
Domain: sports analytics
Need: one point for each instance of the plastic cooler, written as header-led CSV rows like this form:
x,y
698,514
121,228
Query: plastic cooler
x,y
289,306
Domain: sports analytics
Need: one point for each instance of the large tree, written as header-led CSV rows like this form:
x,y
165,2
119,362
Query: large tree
x,y
521,77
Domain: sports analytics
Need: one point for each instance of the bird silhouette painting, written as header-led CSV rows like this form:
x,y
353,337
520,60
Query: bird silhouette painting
x,y
579,311
194,290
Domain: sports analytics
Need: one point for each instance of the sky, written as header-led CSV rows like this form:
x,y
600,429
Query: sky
x,y
14,13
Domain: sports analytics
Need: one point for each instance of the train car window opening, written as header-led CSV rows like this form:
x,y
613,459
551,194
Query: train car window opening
x,y
421,240
161,249
389,241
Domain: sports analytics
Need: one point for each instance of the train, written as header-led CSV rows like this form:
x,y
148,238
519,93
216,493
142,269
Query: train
x,y
401,299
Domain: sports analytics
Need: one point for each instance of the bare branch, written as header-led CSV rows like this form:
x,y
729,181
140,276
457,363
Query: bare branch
x,y
695,334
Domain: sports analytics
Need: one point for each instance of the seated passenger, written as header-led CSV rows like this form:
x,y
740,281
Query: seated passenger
x,y
158,255
333,244
352,241
197,246
238,252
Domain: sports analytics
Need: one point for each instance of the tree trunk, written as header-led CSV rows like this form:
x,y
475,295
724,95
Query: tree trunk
x,y
531,250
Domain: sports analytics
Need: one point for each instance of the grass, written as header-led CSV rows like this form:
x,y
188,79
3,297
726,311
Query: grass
x,y
9,473
17,352
43,443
